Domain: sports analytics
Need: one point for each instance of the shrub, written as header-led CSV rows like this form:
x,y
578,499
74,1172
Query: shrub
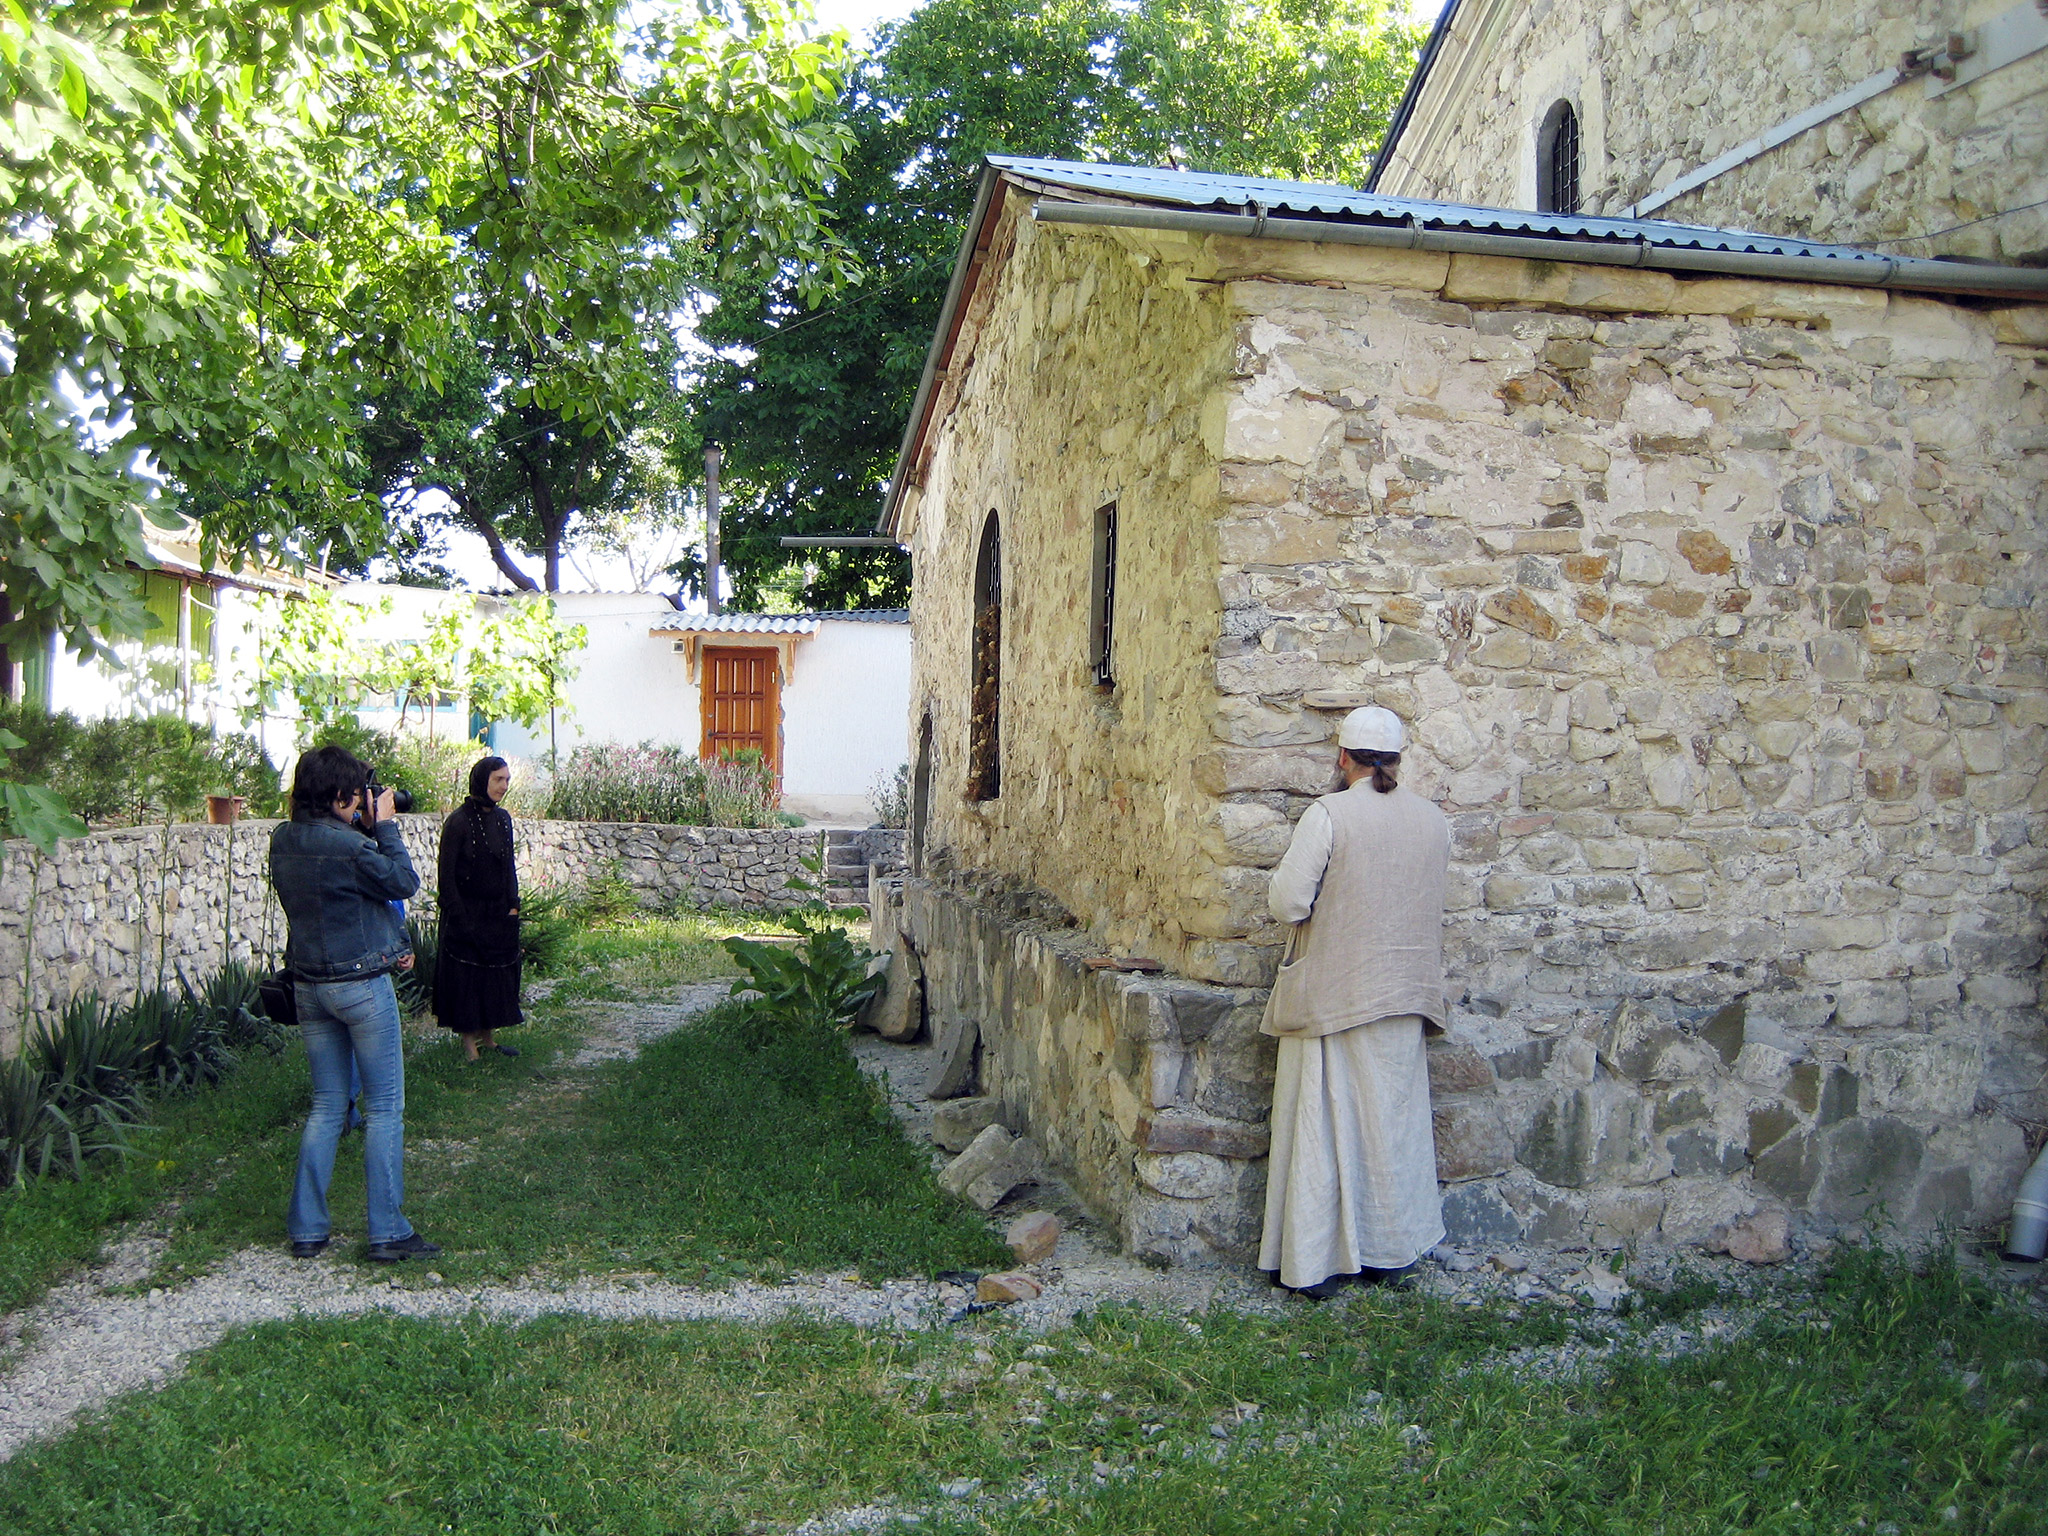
x,y
119,771
654,783
435,773
890,795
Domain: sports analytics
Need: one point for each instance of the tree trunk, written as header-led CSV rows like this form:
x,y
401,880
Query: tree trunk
x,y
6,655
500,556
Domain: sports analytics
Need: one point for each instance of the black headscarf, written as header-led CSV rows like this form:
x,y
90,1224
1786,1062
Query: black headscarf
x,y
480,779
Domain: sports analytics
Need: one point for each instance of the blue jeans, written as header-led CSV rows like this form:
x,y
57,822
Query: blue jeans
x,y
352,1024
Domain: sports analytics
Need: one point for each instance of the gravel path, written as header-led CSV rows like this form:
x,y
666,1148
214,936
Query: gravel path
x,y
96,1338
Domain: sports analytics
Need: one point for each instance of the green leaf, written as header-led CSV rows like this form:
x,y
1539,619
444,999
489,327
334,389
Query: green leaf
x,y
38,814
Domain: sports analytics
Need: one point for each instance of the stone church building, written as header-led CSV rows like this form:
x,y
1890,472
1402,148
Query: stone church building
x,y
1705,566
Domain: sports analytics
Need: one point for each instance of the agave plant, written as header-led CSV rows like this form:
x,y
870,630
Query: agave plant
x,y
185,1048
416,986
40,1135
90,1052
229,1003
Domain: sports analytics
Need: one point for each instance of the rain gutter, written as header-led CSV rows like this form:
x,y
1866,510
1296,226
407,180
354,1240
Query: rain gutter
x,y
1872,271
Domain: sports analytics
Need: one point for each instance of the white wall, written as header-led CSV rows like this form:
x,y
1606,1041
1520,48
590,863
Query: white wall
x,y
845,718
144,679
629,686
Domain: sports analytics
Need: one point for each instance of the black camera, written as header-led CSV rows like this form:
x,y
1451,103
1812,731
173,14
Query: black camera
x,y
401,799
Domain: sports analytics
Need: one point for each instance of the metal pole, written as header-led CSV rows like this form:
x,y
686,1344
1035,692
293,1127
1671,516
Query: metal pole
x,y
712,458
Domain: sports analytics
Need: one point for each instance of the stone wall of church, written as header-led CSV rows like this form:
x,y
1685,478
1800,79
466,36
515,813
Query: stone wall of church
x,y
1715,607
1086,387
1662,89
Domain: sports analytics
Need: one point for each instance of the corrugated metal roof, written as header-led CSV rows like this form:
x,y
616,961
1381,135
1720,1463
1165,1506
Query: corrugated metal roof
x,y
1304,199
738,624
775,623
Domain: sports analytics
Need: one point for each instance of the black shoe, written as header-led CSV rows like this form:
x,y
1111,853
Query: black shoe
x,y
411,1246
1402,1279
1326,1289
506,1050
308,1248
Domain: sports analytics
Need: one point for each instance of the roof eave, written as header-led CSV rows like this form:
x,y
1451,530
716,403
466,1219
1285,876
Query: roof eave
x,y
943,337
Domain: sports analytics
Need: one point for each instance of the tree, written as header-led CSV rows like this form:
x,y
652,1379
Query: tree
x,y
810,402
512,665
231,226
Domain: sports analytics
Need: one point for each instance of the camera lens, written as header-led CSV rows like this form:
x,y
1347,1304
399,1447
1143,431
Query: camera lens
x,y
401,801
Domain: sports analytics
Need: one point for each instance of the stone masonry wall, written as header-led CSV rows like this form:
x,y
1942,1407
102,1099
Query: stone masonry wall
x,y
1099,802
1714,607
107,907
1662,89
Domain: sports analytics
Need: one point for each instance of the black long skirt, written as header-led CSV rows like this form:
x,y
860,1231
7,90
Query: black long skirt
x,y
470,998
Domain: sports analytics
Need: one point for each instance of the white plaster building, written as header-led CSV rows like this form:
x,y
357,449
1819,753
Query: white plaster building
x,y
825,696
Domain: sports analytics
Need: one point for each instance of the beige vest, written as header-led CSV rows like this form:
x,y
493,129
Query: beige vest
x,y
1374,945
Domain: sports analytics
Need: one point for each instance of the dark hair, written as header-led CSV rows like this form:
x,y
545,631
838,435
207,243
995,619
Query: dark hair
x,y
1382,765
480,776
325,775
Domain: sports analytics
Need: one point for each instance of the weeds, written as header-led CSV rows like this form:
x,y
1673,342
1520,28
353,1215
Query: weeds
x,y
824,979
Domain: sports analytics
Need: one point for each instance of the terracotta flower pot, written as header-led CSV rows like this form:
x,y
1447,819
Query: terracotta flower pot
x,y
221,810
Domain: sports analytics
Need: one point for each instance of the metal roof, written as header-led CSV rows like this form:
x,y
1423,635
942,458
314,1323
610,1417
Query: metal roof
x,y
1257,195
774,623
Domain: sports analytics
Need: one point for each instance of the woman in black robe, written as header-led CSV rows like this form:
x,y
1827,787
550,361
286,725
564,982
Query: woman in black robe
x,y
476,981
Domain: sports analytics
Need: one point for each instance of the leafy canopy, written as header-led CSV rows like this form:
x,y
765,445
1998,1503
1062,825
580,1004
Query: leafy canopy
x,y
810,402
229,228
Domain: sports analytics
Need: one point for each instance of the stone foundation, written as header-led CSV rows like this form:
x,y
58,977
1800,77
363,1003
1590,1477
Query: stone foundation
x,y
1657,1121
1150,1092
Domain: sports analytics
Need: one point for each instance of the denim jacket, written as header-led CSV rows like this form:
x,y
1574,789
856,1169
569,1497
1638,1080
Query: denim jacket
x,y
336,885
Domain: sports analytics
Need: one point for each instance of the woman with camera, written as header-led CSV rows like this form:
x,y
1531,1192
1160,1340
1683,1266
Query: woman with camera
x,y
476,977
337,866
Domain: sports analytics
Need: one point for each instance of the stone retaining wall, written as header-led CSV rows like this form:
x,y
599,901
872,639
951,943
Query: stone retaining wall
x,y
113,911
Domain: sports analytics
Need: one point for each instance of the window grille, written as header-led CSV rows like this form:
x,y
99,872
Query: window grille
x,y
1102,626
1557,160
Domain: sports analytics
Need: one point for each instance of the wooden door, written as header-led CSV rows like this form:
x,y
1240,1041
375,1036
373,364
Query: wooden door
x,y
742,703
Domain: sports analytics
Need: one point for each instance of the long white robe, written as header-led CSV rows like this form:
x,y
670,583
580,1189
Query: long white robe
x,y
1351,1178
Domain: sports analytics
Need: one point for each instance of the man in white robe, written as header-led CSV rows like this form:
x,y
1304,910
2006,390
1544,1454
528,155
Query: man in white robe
x,y
1351,1191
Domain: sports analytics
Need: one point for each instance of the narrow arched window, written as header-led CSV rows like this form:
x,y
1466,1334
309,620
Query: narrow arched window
x,y
984,735
921,795
1557,160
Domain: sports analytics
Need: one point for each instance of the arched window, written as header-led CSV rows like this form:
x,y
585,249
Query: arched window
x,y
1557,160
921,795
984,729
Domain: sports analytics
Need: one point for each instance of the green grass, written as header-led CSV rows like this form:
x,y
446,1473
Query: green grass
x,y
679,1165
1840,1414
53,1226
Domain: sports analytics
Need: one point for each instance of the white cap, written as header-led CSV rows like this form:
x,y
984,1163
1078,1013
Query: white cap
x,y
1371,729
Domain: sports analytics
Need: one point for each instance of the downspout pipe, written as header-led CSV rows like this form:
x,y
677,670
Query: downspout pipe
x,y
1875,271
2027,1238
